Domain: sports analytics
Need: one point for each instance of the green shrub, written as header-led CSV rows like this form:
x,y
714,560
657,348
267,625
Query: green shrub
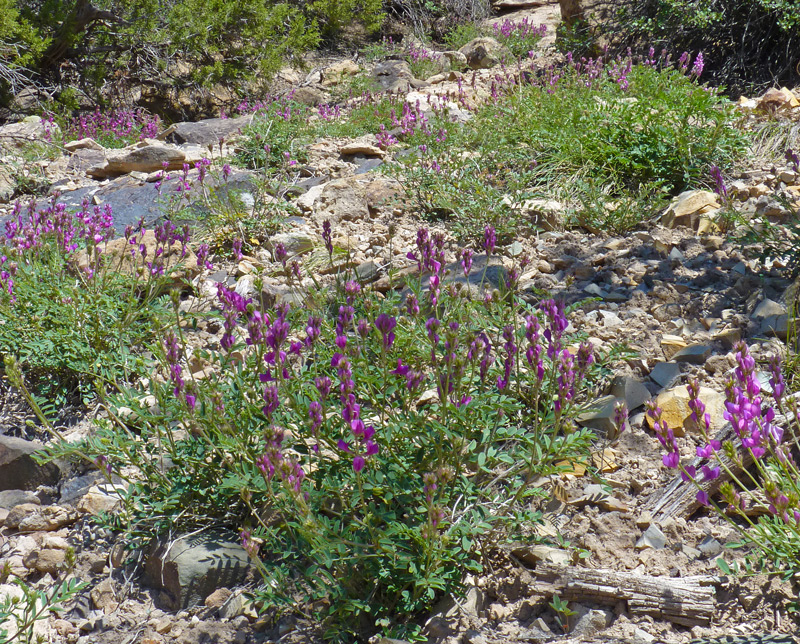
x,y
180,42
371,449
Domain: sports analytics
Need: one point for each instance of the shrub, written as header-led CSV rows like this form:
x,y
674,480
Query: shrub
x,y
180,42
745,42
370,449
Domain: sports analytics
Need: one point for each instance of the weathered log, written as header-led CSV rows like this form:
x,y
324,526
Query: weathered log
x,y
688,601
680,497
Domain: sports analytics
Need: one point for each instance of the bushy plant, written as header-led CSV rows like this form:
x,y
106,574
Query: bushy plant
x,y
520,37
760,463
72,318
180,42
633,128
20,610
371,449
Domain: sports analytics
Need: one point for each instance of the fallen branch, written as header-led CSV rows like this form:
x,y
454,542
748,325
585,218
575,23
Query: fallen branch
x,y
688,601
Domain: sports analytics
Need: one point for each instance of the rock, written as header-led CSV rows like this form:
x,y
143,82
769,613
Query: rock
x,y
364,145
11,498
100,499
455,59
217,598
190,568
18,470
516,5
664,374
710,547
767,308
674,404
671,344
534,554
306,201
338,72
344,199
484,53
312,96
776,326
777,99
8,184
589,624
207,132
574,12
238,604
83,144
601,416
144,157
652,538
103,596
393,75
686,208
295,243
693,354
30,517
367,272
46,561
28,130
633,392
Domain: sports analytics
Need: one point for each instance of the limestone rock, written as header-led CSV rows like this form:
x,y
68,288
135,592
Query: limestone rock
x,y
30,517
484,53
28,130
365,145
777,99
11,498
18,470
456,60
148,156
601,416
338,72
192,567
393,75
46,560
83,144
344,199
664,374
686,209
674,404
103,595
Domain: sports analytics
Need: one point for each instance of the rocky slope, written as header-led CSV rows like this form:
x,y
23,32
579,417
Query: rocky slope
x,y
678,293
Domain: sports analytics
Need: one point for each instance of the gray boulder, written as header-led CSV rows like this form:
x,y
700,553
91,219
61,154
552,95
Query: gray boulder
x,y
192,567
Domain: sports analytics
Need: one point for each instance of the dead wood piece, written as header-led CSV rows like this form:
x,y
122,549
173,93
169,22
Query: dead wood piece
x,y
688,601
680,497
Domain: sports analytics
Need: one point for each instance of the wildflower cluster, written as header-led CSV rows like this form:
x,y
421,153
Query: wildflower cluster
x,y
343,418
760,457
520,37
115,128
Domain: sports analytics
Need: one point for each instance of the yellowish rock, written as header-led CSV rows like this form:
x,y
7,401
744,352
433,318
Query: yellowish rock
x,y
674,405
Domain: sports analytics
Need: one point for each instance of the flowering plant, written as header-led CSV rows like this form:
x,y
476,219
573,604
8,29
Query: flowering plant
x,y
367,448
762,477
